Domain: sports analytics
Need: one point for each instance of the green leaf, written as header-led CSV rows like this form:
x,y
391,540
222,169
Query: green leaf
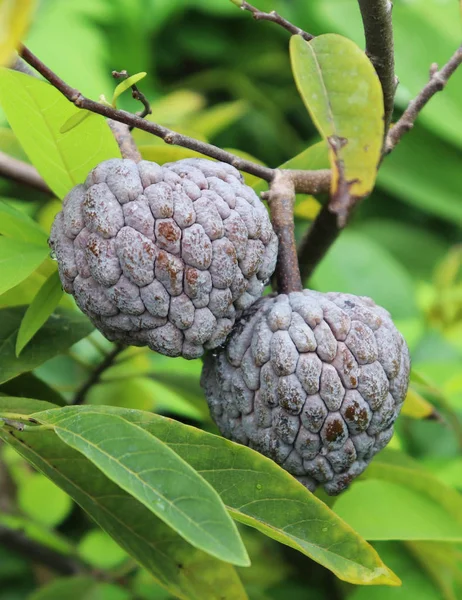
x,y
150,471
415,583
37,532
43,501
186,572
29,385
214,120
63,160
16,224
416,406
398,468
43,305
125,85
342,93
17,261
259,493
382,510
99,550
15,18
75,120
443,563
351,267
162,154
23,406
63,329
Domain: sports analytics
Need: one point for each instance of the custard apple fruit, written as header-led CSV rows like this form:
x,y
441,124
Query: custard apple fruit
x,y
313,381
164,256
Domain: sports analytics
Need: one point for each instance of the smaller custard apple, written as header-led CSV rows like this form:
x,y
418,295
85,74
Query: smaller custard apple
x,y
314,381
164,256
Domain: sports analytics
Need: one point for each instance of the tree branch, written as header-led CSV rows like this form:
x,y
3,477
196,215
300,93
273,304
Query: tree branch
x,y
378,31
17,541
136,94
274,17
318,239
437,82
281,199
21,172
306,181
125,141
95,376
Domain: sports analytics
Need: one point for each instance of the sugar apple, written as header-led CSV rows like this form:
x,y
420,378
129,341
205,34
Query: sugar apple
x,y
164,256
314,381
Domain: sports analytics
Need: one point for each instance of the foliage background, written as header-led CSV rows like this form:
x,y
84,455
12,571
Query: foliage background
x,y
216,74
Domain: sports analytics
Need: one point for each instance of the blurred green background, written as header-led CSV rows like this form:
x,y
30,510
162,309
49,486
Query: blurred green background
x,y
217,75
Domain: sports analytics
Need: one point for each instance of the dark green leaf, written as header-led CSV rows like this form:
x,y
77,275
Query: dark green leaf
x,y
260,494
150,471
187,573
63,329
29,385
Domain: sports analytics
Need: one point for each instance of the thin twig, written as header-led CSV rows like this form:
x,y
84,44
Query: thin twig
x,y
437,82
17,541
305,181
137,94
274,17
95,376
281,199
378,31
21,172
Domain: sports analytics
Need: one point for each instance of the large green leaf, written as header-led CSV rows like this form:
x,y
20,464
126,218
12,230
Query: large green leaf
x,y
63,160
260,494
423,171
63,329
15,18
151,472
22,406
17,224
382,510
415,582
79,587
351,267
443,563
186,572
17,261
28,385
42,306
342,93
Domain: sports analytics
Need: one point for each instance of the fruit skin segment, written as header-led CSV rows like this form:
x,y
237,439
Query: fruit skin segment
x,y
164,256
314,381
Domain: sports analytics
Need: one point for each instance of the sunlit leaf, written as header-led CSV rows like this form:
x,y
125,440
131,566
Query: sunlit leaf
x,y
63,160
342,93
43,501
99,550
416,407
17,225
151,472
125,85
75,120
18,260
42,306
384,510
15,18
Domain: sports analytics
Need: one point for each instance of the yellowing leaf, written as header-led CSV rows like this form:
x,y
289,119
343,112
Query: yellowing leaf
x,y
36,111
15,17
342,93
416,407
307,208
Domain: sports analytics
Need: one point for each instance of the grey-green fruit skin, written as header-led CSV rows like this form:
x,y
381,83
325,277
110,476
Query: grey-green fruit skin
x,y
313,381
164,256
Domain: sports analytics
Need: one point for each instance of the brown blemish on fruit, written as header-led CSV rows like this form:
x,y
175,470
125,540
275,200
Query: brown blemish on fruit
x,y
334,430
169,232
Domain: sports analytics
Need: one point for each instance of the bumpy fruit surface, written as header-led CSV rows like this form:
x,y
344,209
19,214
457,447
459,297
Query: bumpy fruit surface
x,y
164,256
314,381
